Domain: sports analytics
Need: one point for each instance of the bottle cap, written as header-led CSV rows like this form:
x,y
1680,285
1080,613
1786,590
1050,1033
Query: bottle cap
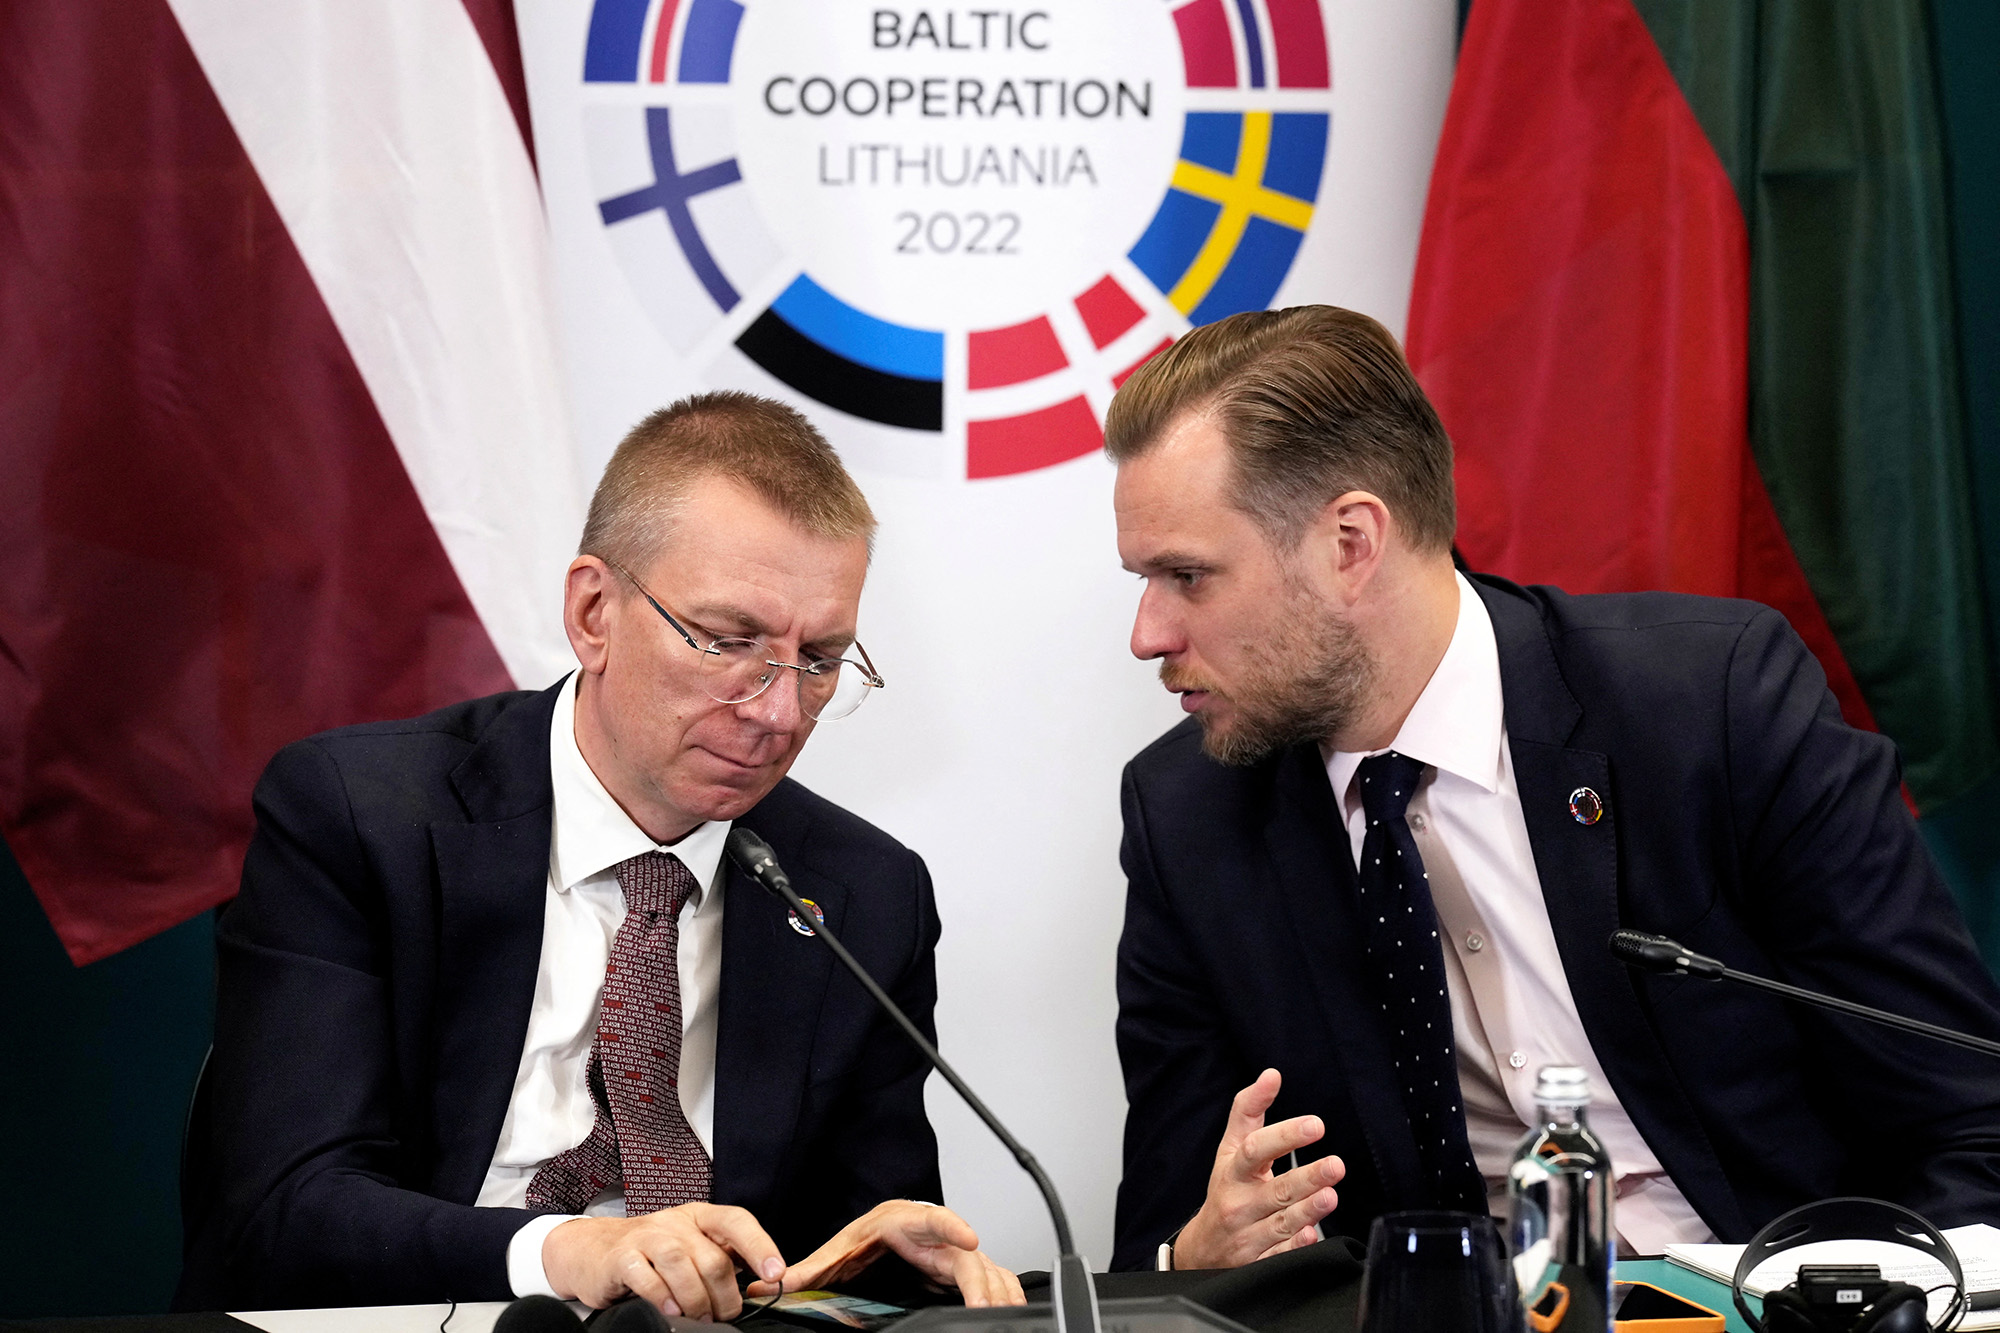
x,y
1562,1085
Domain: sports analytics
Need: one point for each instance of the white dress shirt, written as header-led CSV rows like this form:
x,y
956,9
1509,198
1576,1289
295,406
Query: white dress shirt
x,y
551,1110
1512,1011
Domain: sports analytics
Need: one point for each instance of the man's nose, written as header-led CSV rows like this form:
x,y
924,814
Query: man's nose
x,y
777,708
1156,630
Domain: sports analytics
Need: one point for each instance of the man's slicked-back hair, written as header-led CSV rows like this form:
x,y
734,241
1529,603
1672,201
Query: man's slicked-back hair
x,y
1315,401
764,445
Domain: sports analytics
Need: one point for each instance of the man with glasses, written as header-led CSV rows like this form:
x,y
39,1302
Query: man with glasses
x,y
496,1017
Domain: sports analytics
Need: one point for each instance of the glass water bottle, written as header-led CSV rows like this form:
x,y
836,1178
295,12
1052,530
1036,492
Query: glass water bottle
x,y
1559,1190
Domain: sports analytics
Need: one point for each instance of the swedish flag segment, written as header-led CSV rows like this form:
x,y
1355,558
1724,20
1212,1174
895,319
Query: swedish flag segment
x,y
1239,204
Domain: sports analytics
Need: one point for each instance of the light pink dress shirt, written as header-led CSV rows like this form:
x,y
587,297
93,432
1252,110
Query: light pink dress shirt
x,y
1512,1011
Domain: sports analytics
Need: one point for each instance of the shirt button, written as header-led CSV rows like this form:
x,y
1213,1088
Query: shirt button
x,y
1417,822
1517,1060
1475,941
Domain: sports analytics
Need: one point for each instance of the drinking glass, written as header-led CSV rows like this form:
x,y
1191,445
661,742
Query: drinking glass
x,y
1437,1272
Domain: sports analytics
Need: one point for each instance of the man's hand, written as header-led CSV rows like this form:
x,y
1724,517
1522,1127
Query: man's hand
x,y
935,1241
682,1260
1249,1212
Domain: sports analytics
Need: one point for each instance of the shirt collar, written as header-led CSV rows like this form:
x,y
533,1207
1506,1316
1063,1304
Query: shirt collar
x,y
593,833
1458,723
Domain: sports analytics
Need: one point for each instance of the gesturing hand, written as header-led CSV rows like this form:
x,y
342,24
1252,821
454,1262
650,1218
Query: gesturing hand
x,y
682,1260
1250,1212
935,1241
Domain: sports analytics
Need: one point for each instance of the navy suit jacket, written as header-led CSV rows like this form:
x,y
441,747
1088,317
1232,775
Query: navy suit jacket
x,y
1743,818
375,979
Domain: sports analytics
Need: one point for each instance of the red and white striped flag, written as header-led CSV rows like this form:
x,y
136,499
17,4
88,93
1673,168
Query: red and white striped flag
x,y
282,438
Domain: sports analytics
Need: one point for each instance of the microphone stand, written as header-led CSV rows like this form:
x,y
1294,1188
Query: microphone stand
x,y
1073,1294
1657,953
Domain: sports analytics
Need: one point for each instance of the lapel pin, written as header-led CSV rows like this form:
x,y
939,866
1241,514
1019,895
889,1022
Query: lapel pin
x,y
820,917
1586,806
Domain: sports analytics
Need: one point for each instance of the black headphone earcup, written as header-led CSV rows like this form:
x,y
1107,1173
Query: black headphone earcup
x,y
1901,1309
1785,1311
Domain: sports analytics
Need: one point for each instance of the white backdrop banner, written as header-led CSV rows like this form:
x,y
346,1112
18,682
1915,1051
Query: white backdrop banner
x,y
947,235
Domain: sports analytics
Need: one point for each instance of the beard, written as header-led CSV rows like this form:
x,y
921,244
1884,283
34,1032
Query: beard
x,y
1306,681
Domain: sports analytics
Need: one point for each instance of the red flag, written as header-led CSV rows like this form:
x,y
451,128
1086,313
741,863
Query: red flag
x,y
1580,317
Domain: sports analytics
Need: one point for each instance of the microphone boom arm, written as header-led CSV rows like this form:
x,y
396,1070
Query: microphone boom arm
x,y
1882,1016
1657,953
1072,1292
1064,1244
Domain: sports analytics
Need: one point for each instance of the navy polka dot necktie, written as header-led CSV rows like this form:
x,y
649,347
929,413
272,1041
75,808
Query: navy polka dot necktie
x,y
1407,959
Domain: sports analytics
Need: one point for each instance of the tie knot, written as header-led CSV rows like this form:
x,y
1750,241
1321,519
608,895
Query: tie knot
x,y
1388,781
655,882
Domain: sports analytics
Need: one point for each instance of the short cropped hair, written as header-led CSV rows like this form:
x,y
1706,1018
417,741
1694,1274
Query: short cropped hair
x,y
1315,401
765,445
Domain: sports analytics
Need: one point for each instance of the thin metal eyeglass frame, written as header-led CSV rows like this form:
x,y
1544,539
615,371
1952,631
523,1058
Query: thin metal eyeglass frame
x,y
865,666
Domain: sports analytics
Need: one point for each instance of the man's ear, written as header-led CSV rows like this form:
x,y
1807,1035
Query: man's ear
x,y
1347,542
588,593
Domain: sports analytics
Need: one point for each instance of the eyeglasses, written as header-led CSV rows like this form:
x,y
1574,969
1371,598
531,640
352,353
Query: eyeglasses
x,y
736,670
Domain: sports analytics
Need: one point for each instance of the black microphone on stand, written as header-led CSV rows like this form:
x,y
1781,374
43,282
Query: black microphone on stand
x,y
1657,953
537,1314
1073,1294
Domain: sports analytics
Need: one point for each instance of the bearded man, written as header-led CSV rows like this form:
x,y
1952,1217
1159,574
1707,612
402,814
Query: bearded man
x,y
1386,852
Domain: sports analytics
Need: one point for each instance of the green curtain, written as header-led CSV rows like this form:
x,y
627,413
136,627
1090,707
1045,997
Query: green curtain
x,y
1965,832
1829,120
1863,140
99,1062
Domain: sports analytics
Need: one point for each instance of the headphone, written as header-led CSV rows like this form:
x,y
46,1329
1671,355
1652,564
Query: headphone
x,y
1827,1303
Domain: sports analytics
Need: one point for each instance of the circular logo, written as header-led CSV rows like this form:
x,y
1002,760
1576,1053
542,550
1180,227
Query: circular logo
x,y
800,926
962,228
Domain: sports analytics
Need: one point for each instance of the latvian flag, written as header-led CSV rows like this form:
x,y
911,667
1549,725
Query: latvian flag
x,y
1684,300
282,444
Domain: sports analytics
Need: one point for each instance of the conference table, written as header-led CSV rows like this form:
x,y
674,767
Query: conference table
x,y
471,1317
479,1317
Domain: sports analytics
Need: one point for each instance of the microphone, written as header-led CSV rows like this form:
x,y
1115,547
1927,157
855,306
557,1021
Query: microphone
x,y
1657,953
537,1314
1073,1294
633,1315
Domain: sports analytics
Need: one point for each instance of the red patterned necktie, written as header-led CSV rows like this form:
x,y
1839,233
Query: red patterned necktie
x,y
641,1137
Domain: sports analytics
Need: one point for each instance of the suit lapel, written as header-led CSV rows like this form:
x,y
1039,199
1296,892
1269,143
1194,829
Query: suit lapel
x,y
774,983
1578,868
493,873
1315,875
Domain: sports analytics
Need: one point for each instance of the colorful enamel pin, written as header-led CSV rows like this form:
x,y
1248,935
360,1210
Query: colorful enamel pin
x,y
820,916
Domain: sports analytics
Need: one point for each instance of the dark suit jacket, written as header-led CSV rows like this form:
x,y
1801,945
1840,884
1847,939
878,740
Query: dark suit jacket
x,y
1744,818
376,975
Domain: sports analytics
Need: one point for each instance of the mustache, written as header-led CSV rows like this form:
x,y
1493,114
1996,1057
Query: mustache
x,y
1181,679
